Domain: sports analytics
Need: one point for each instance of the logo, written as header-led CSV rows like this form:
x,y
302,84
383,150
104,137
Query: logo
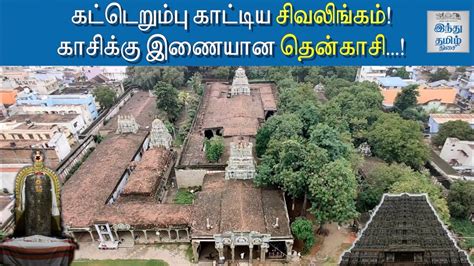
x,y
448,32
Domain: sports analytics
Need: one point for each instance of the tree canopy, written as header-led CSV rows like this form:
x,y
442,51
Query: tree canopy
x,y
399,72
214,148
397,140
167,99
332,193
105,96
461,199
302,229
407,98
440,74
453,129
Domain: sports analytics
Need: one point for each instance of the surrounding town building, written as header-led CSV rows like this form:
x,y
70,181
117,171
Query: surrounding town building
x,y
371,73
404,230
7,97
436,120
388,83
441,100
27,97
460,155
31,126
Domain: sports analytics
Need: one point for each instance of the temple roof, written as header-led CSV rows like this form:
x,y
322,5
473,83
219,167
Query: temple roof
x,y
148,173
238,206
404,227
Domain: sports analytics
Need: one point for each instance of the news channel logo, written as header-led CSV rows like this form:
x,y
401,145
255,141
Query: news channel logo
x,y
448,32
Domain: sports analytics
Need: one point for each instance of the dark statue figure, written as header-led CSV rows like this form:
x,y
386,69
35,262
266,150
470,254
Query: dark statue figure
x,y
37,200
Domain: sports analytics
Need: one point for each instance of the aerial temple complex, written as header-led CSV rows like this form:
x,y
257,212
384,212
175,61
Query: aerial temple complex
x,y
404,230
132,173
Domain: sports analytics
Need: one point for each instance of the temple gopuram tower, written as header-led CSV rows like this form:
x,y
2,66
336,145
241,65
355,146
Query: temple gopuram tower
x,y
159,135
126,124
240,84
241,164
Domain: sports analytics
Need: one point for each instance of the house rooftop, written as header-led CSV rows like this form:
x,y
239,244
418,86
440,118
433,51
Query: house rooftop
x,y
404,228
42,118
392,82
443,118
426,95
238,206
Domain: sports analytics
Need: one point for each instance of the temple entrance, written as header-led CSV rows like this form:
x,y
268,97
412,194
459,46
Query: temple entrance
x,y
82,236
207,251
242,253
269,114
208,134
125,238
276,250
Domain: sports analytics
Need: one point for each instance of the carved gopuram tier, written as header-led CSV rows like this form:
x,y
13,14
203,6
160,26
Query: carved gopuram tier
x,y
159,135
126,124
241,164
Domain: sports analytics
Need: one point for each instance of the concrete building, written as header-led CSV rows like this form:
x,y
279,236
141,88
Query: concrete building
x,y
36,126
388,83
78,109
371,73
466,90
436,120
460,155
27,97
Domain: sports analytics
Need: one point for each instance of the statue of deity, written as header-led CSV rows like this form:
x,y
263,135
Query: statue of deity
x,y
37,200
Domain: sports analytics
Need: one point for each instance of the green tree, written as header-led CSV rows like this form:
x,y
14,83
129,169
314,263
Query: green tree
x,y
379,181
222,72
174,76
399,72
167,99
302,229
214,148
453,129
461,199
397,140
423,184
332,193
105,96
334,86
354,108
415,113
331,140
407,98
195,83
277,127
440,74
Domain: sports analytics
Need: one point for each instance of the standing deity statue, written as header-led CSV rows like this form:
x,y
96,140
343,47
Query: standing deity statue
x,y
37,200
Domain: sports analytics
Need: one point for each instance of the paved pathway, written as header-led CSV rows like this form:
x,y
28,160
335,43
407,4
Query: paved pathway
x,y
172,254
